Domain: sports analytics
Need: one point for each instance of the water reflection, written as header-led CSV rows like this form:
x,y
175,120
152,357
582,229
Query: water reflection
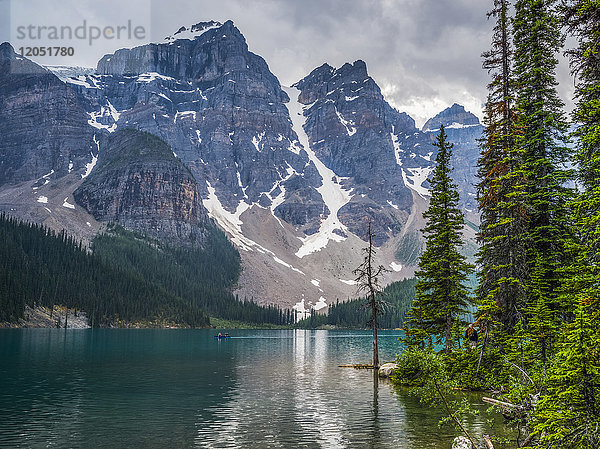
x,y
182,389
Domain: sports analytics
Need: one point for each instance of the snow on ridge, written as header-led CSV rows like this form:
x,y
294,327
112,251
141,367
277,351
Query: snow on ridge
x,y
80,80
148,77
232,224
105,111
415,179
428,156
256,140
241,186
321,303
285,264
333,194
191,33
281,197
67,204
350,128
181,114
90,166
397,149
395,266
350,282
453,125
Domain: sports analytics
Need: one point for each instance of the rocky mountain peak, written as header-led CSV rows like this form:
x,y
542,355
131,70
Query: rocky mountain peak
x,y
357,70
453,117
193,31
141,184
6,51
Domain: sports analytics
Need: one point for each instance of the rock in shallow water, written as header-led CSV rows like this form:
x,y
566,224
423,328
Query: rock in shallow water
x,y
387,369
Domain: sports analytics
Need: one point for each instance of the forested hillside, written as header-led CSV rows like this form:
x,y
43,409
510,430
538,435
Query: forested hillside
x,y
203,277
41,267
354,314
127,278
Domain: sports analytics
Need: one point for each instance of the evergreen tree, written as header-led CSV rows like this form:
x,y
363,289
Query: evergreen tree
x,y
503,219
569,415
441,296
541,140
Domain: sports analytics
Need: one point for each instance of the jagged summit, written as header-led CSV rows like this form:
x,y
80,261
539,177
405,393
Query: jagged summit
x,y
292,176
453,117
193,31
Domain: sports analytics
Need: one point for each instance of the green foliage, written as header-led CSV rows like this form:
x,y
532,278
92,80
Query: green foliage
x,y
190,273
502,256
442,298
419,366
353,315
41,267
569,414
426,372
542,141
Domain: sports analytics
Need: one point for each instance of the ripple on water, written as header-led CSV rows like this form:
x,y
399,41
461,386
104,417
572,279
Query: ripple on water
x,y
182,389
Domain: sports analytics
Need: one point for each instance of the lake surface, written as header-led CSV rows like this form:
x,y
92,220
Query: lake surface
x,y
120,388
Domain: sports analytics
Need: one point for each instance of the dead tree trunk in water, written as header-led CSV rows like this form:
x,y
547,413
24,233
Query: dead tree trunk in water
x,y
367,279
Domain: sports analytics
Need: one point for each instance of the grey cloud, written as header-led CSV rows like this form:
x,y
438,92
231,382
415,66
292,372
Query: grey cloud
x,y
425,54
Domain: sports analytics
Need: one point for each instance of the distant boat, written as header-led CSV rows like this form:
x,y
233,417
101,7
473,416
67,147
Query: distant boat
x,y
219,337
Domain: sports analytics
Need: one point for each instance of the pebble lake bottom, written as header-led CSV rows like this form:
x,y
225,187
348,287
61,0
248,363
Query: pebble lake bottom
x,y
159,388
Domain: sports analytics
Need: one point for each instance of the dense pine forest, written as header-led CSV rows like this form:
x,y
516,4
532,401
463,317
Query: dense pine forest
x,y
203,277
41,267
127,278
536,334
353,313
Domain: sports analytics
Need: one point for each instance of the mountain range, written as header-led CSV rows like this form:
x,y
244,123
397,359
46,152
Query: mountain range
x,y
175,137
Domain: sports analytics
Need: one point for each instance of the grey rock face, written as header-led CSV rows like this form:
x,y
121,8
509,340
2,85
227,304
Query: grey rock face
x,y
42,122
463,130
355,132
451,117
140,184
223,113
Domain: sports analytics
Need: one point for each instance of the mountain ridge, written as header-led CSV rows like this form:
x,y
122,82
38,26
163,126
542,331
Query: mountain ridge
x,y
292,175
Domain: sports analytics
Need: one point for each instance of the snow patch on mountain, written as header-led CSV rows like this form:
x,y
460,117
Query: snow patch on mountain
x,y
415,178
67,204
106,113
230,222
193,32
395,266
333,194
350,128
397,149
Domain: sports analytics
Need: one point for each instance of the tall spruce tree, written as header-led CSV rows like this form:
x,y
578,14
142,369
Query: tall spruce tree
x,y
542,141
503,218
441,296
569,415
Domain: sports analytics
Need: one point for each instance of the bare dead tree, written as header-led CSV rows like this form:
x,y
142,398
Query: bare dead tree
x,y
368,281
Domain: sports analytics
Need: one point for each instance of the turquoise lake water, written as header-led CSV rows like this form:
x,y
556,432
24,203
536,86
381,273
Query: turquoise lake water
x,y
120,388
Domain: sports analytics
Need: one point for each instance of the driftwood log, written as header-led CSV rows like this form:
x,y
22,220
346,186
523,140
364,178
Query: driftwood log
x,y
488,442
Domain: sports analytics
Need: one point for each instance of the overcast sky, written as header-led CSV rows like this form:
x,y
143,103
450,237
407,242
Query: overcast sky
x,y
424,54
